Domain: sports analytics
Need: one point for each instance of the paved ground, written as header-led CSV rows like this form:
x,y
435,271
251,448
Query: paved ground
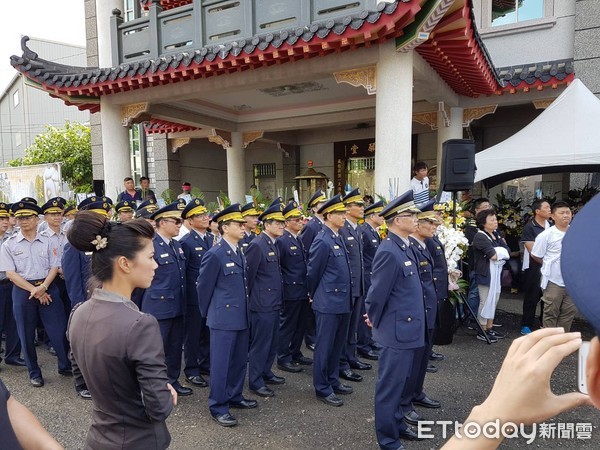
x,y
294,419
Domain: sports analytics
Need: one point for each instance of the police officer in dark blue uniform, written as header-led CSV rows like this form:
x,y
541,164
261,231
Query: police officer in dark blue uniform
x,y
165,298
371,240
30,264
125,210
329,286
195,244
293,259
413,392
352,236
250,215
396,312
265,291
223,301
307,236
12,353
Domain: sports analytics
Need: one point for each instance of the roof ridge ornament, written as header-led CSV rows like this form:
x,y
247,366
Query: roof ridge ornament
x,y
27,52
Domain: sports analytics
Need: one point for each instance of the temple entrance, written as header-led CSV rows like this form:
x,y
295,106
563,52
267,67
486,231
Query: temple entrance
x,y
361,173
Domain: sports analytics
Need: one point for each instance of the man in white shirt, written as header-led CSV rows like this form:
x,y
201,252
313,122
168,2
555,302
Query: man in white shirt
x,y
559,309
420,183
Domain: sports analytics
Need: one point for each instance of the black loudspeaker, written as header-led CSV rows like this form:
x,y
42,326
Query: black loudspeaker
x,y
99,187
458,165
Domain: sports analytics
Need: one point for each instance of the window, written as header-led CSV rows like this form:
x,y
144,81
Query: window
x,y
132,9
16,98
137,152
506,12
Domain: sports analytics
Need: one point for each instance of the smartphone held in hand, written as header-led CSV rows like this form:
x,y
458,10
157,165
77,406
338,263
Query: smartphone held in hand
x,y
582,358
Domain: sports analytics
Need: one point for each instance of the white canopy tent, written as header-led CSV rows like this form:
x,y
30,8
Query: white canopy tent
x,y
565,137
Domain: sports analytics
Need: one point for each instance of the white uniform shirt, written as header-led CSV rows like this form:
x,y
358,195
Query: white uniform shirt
x,y
548,247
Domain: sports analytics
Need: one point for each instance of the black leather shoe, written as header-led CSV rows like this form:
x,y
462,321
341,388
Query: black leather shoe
x,y
37,381
65,372
275,380
85,394
244,404
431,368
410,435
412,418
372,355
426,402
225,420
310,347
197,380
359,365
289,367
303,360
350,376
343,389
182,391
205,372
331,400
436,357
16,362
264,392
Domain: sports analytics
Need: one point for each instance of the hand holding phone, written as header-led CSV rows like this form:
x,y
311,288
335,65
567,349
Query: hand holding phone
x,y
581,364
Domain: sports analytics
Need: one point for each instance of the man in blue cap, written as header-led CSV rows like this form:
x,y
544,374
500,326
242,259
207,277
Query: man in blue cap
x,y
165,298
195,244
125,210
250,215
223,299
12,353
371,240
292,257
30,264
329,286
396,311
265,293
309,232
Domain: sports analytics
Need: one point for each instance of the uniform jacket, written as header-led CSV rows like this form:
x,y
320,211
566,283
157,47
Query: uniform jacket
x,y
292,258
440,266
165,298
354,247
222,288
194,247
426,274
128,378
328,274
245,241
310,231
76,267
265,286
394,303
371,240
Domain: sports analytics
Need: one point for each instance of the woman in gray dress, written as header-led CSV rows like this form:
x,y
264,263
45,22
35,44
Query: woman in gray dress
x,y
117,348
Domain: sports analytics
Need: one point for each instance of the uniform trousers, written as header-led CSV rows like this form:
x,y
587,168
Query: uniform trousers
x,y
7,322
349,352
414,385
292,326
364,336
332,333
27,312
264,330
172,332
228,362
310,336
64,295
395,366
196,349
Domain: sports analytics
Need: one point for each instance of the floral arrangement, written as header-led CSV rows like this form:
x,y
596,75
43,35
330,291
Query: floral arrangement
x,y
510,214
447,210
455,244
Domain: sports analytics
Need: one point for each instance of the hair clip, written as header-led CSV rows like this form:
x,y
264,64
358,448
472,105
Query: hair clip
x,y
100,242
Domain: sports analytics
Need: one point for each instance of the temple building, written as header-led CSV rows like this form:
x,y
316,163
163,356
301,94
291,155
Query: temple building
x,y
226,94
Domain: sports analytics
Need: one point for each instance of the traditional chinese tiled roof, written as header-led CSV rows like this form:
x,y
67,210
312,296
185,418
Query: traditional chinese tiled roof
x,y
525,77
166,4
164,126
461,61
457,53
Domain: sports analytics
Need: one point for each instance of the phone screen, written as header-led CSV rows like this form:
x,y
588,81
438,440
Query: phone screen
x,y
582,359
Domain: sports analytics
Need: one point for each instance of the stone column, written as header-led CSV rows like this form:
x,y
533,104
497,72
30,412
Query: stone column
x,y
103,14
445,131
236,175
115,148
393,121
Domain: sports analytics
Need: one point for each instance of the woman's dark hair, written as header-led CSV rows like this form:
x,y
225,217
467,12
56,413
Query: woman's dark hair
x,y
122,239
481,217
